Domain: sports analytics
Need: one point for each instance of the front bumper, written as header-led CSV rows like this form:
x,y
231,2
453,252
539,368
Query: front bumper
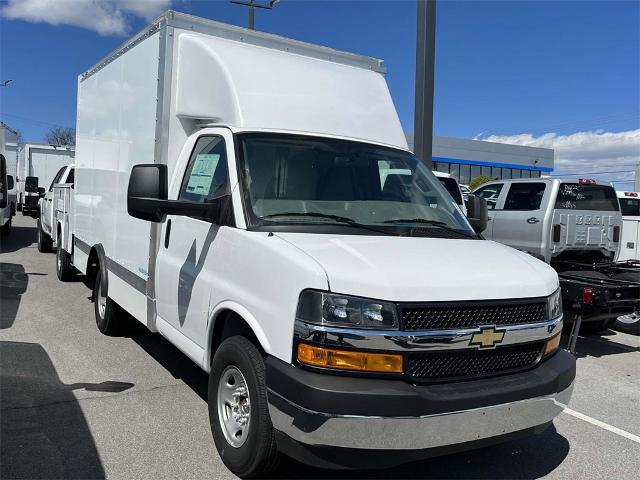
x,y
389,415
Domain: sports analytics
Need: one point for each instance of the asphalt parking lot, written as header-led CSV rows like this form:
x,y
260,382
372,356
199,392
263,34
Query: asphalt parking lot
x,y
77,404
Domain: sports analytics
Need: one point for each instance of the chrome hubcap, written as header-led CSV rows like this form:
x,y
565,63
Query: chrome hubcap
x,y
234,406
102,301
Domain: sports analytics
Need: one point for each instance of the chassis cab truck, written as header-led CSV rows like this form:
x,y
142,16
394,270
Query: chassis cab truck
x,y
240,194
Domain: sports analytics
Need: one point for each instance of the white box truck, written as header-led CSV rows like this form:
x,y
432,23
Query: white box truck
x,y
234,191
37,165
8,152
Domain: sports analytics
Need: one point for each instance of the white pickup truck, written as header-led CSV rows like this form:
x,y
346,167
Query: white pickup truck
x,y
576,226
251,203
54,210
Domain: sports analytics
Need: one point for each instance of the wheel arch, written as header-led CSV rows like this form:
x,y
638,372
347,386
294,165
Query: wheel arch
x,y
97,265
228,319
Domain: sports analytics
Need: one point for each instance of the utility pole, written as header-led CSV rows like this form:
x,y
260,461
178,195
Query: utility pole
x,y
425,67
252,6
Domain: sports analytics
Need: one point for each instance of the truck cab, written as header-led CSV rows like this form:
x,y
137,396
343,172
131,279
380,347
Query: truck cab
x,y
554,219
47,206
630,209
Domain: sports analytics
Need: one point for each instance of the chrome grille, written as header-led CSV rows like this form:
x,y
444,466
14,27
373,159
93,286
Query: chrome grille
x,y
459,364
472,315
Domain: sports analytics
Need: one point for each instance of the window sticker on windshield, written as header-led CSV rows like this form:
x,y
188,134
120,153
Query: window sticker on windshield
x,y
202,173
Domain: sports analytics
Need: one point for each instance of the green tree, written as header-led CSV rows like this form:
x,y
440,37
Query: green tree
x,y
481,180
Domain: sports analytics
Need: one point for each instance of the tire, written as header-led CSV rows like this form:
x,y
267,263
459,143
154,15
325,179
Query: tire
x,y
19,207
64,269
6,228
255,452
45,244
630,324
108,318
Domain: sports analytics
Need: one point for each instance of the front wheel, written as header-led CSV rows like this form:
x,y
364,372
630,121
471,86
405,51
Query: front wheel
x,y
238,409
629,323
64,270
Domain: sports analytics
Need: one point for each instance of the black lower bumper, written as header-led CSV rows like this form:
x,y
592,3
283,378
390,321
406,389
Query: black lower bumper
x,y
342,395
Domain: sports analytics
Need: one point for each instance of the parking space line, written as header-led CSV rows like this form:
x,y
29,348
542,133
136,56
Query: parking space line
x,y
605,426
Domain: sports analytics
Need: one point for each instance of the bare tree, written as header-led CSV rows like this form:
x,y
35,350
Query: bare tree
x,y
61,136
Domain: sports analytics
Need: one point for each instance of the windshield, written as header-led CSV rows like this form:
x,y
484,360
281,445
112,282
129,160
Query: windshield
x,y
303,181
577,196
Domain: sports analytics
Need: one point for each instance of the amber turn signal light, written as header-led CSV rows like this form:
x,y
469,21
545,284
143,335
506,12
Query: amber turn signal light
x,y
348,360
551,345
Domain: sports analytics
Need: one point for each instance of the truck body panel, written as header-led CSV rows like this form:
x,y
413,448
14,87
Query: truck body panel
x,y
41,161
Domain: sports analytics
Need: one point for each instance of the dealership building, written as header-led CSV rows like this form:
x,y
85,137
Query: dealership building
x,y
466,159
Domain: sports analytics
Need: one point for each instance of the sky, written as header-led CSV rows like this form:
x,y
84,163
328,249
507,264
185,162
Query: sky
x,y
563,74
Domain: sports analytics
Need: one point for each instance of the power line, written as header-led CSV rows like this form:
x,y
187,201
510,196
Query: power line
x,y
34,121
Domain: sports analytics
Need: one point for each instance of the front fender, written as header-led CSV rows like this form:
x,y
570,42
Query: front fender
x,y
246,315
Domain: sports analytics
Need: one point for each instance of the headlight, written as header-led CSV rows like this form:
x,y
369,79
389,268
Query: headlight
x,y
335,310
554,305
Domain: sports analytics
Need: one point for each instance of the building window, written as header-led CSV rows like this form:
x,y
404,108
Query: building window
x,y
454,170
515,173
526,173
475,172
486,171
496,173
535,174
441,167
506,173
465,175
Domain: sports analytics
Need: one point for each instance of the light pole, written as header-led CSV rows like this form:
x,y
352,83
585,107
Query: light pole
x,y
252,6
425,67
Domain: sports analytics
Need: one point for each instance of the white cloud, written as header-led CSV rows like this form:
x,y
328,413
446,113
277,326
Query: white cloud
x,y
106,17
593,151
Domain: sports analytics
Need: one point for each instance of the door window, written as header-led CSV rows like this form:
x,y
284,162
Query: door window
x,y
524,196
490,193
207,174
70,177
56,179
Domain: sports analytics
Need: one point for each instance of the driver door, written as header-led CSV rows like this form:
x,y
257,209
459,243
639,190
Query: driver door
x,y
186,263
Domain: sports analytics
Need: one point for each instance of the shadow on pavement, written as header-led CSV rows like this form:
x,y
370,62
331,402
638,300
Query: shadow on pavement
x,y
18,237
531,457
44,432
599,345
173,360
13,283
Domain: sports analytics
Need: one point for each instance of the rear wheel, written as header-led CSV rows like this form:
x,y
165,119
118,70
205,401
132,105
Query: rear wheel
x,y
108,320
64,269
238,409
19,207
45,243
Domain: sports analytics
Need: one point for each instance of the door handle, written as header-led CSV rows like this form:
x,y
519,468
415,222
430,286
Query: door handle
x,y
167,234
532,220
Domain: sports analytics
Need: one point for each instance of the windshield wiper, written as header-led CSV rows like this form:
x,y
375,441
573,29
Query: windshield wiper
x,y
348,221
434,223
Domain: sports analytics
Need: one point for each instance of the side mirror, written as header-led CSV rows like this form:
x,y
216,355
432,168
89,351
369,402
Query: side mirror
x,y
477,213
147,192
10,182
147,199
42,192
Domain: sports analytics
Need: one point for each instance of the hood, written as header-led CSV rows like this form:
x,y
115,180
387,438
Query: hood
x,y
410,269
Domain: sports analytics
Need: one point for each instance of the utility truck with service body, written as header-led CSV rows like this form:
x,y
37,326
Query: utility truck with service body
x,y
252,198
37,165
54,207
8,152
575,225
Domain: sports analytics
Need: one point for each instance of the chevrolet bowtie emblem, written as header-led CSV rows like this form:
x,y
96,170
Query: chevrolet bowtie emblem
x,y
487,337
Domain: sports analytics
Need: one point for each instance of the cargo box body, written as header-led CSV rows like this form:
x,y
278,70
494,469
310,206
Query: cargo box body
x,y
139,105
